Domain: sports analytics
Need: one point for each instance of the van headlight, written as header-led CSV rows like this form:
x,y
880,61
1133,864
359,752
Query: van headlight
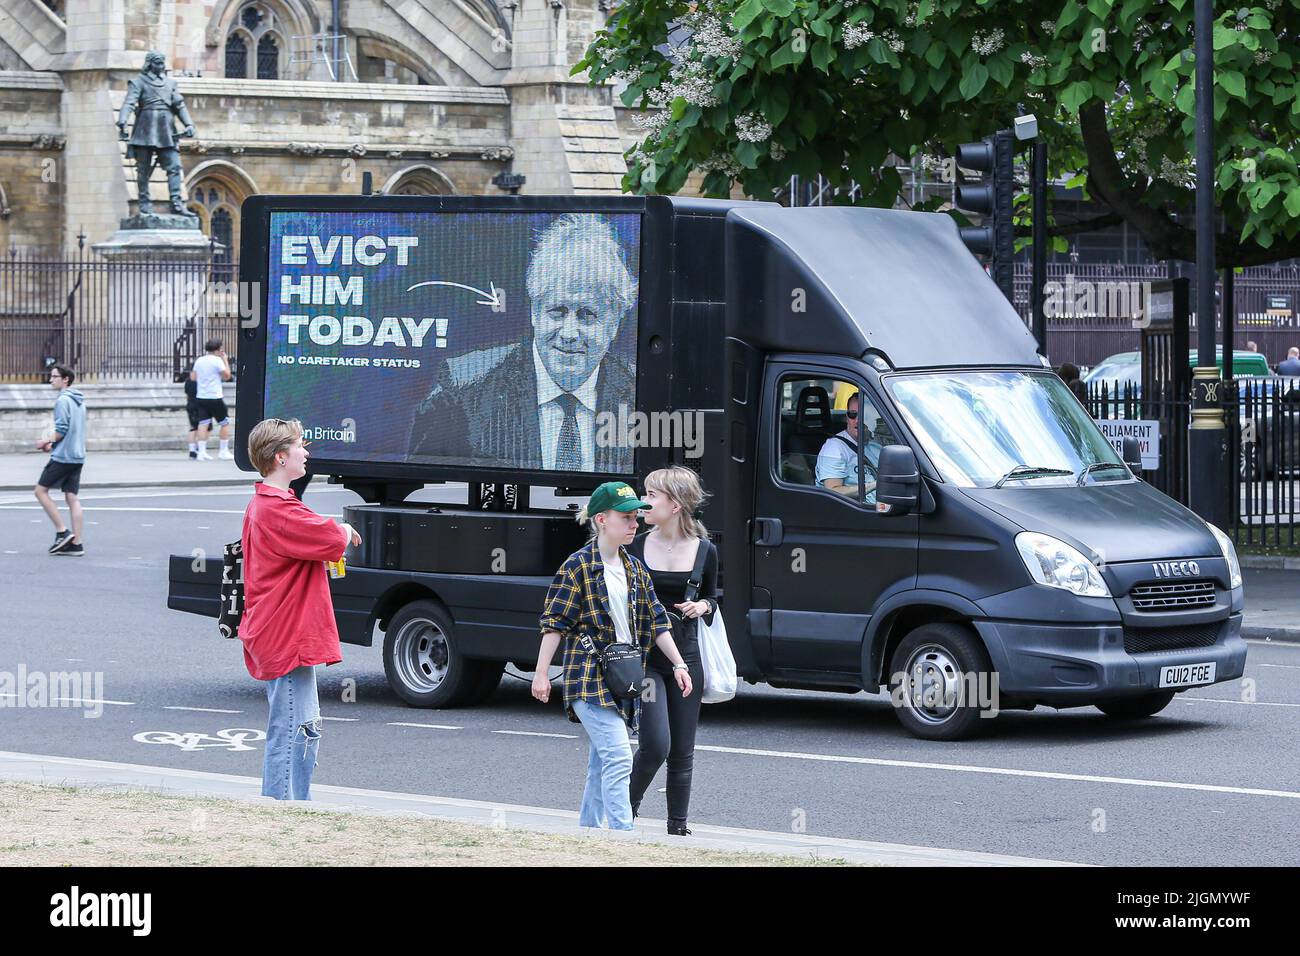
x,y
1056,564
1229,554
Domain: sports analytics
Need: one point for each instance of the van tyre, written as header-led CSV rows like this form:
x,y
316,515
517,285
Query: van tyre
x,y
423,661
1135,708
937,659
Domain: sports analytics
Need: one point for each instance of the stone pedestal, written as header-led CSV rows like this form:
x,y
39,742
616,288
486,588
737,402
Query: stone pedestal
x,y
156,293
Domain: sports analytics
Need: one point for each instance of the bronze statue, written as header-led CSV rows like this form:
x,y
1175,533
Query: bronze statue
x,y
157,104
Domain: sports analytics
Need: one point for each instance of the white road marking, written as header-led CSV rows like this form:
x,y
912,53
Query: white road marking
x,y
197,491
75,660
202,710
399,723
1006,771
87,700
341,718
191,511
1295,667
11,552
534,733
1246,703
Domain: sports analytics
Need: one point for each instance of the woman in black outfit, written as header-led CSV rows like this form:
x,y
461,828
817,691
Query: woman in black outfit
x,y
669,720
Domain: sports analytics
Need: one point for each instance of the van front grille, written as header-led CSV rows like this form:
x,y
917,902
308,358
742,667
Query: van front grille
x,y
1172,596
1147,640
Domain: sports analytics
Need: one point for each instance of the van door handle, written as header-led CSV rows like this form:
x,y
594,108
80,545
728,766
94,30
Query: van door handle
x,y
768,532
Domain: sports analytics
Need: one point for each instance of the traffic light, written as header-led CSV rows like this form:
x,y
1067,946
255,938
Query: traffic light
x,y
993,157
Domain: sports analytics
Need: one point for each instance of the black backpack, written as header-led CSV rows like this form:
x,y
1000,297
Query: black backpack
x,y
232,590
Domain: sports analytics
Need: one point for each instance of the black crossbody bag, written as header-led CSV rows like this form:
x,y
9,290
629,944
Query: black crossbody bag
x,y
620,666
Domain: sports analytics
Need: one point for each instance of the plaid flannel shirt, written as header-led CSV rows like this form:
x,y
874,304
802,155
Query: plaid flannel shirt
x,y
578,602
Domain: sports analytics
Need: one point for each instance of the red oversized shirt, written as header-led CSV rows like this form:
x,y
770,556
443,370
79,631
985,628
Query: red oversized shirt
x,y
288,617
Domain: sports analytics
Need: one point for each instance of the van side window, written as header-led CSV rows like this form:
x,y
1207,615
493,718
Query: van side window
x,y
825,423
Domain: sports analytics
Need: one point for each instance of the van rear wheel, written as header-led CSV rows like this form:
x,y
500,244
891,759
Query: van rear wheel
x,y
936,677
1135,708
423,661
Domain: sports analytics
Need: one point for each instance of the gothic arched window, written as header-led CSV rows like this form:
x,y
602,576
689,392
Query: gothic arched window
x,y
223,230
236,56
268,58
255,43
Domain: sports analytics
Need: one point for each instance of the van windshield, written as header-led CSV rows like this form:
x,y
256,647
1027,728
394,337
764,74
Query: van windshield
x,y
1017,428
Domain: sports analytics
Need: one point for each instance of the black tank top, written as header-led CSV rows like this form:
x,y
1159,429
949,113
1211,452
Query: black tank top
x,y
670,588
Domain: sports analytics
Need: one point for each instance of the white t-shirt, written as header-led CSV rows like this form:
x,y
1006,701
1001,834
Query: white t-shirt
x,y
616,585
207,372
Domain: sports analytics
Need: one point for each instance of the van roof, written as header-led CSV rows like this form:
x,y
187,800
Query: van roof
x,y
893,280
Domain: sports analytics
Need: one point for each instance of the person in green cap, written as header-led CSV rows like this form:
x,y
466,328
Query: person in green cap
x,y
603,591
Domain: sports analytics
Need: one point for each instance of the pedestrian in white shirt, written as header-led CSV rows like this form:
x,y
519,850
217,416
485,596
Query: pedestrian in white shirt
x,y
209,372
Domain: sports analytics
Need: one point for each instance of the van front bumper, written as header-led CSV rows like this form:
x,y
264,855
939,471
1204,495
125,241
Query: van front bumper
x,y
1076,666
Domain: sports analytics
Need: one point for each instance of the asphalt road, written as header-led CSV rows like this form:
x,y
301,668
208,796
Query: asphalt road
x,y
1214,780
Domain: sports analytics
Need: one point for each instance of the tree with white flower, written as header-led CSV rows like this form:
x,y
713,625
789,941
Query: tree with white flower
x,y
760,90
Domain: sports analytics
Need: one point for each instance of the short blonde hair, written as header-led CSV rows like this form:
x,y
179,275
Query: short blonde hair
x,y
683,486
268,438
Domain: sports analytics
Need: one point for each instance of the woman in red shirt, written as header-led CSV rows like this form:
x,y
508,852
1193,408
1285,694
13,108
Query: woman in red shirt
x,y
288,624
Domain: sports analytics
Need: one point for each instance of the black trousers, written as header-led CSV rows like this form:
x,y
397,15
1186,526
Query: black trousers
x,y
668,725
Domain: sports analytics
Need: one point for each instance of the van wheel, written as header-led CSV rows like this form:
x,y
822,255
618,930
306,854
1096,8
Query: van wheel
x,y
422,661
1134,708
930,700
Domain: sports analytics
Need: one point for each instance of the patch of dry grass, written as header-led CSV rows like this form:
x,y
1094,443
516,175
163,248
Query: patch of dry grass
x,y
43,825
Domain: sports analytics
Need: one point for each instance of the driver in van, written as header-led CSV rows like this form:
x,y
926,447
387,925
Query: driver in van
x,y
837,462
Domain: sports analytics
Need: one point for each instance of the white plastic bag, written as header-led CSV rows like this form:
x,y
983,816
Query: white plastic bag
x,y
718,663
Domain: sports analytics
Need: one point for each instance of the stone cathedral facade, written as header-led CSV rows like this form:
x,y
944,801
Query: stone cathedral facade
x,y
298,96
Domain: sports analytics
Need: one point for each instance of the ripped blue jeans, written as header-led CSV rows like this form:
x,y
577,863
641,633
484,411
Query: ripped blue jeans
x,y
292,735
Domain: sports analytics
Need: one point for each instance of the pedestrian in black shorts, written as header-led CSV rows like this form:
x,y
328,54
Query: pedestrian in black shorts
x,y
194,413
63,471
209,371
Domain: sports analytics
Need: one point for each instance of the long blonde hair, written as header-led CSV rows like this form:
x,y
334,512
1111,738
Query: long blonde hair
x,y
683,486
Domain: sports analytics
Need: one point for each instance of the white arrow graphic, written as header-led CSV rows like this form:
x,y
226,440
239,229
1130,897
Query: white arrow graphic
x,y
492,298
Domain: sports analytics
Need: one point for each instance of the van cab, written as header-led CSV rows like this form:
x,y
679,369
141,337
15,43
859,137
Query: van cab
x,y
986,526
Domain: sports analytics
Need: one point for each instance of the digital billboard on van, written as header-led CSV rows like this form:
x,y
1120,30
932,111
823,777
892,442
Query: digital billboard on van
x,y
482,339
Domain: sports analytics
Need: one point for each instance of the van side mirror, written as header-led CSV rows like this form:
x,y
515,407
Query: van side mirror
x,y
1132,455
897,481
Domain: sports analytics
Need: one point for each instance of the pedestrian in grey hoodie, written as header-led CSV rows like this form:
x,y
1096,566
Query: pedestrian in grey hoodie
x,y
68,447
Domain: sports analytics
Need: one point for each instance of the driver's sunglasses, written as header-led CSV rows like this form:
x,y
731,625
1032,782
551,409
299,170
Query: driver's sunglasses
x,y
851,414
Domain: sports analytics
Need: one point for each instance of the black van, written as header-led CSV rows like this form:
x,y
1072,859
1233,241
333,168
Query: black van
x,y
909,500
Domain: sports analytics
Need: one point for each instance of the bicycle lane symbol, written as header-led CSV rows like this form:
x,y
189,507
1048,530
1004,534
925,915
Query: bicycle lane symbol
x,y
232,739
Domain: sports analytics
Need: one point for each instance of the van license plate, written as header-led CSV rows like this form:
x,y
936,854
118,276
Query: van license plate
x,y
1187,675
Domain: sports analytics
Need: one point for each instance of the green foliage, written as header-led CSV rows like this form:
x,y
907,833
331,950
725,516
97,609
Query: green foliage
x,y
765,89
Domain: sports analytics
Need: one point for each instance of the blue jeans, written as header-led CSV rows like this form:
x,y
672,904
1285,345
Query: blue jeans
x,y
292,735
609,767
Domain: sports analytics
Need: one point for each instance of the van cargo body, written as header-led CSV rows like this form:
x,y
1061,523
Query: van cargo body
x,y
983,547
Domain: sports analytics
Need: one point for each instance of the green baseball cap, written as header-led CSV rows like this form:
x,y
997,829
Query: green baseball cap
x,y
614,496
